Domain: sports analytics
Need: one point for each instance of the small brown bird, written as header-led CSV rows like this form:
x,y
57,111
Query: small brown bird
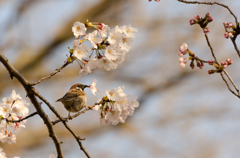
x,y
75,99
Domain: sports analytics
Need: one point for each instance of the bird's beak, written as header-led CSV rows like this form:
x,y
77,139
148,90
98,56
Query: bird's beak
x,y
86,86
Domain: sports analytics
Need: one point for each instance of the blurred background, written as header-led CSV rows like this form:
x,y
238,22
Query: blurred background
x,y
183,113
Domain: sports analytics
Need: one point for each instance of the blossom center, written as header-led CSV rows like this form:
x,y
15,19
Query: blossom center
x,y
78,28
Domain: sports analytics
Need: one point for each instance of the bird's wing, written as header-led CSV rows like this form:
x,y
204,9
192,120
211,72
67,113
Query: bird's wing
x,y
70,95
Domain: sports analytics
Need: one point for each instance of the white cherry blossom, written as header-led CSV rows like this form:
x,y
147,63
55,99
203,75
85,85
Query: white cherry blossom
x,y
81,51
78,29
92,37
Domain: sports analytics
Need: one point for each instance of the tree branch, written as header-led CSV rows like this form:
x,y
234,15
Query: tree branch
x,y
30,93
212,3
52,74
81,112
228,85
20,120
233,39
209,45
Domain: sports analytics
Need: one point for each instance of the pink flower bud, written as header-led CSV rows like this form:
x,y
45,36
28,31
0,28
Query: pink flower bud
x,y
230,34
206,30
182,65
192,21
207,15
226,35
229,61
184,47
210,62
225,66
230,24
181,60
180,54
225,24
197,17
211,72
210,19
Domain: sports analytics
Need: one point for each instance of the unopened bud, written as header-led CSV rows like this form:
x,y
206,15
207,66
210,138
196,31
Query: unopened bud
x,y
226,35
192,21
210,19
210,62
206,30
192,64
197,17
216,65
211,72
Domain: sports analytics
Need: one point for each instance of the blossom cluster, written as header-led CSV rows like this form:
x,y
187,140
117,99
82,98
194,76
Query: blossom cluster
x,y
12,108
229,29
116,105
219,68
200,63
183,61
109,46
203,22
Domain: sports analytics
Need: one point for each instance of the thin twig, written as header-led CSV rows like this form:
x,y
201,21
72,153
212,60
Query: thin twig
x,y
52,74
230,79
228,85
79,113
235,46
209,45
56,71
211,3
20,120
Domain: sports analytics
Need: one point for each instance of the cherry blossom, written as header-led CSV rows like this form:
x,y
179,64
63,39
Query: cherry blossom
x,y
78,29
81,52
93,86
118,107
92,37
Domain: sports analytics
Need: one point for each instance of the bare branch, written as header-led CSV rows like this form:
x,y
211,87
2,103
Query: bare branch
x,y
56,71
209,45
81,112
52,74
233,39
211,3
230,79
20,120
228,85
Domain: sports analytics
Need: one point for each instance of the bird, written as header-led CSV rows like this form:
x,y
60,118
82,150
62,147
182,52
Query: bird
x,y
75,99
